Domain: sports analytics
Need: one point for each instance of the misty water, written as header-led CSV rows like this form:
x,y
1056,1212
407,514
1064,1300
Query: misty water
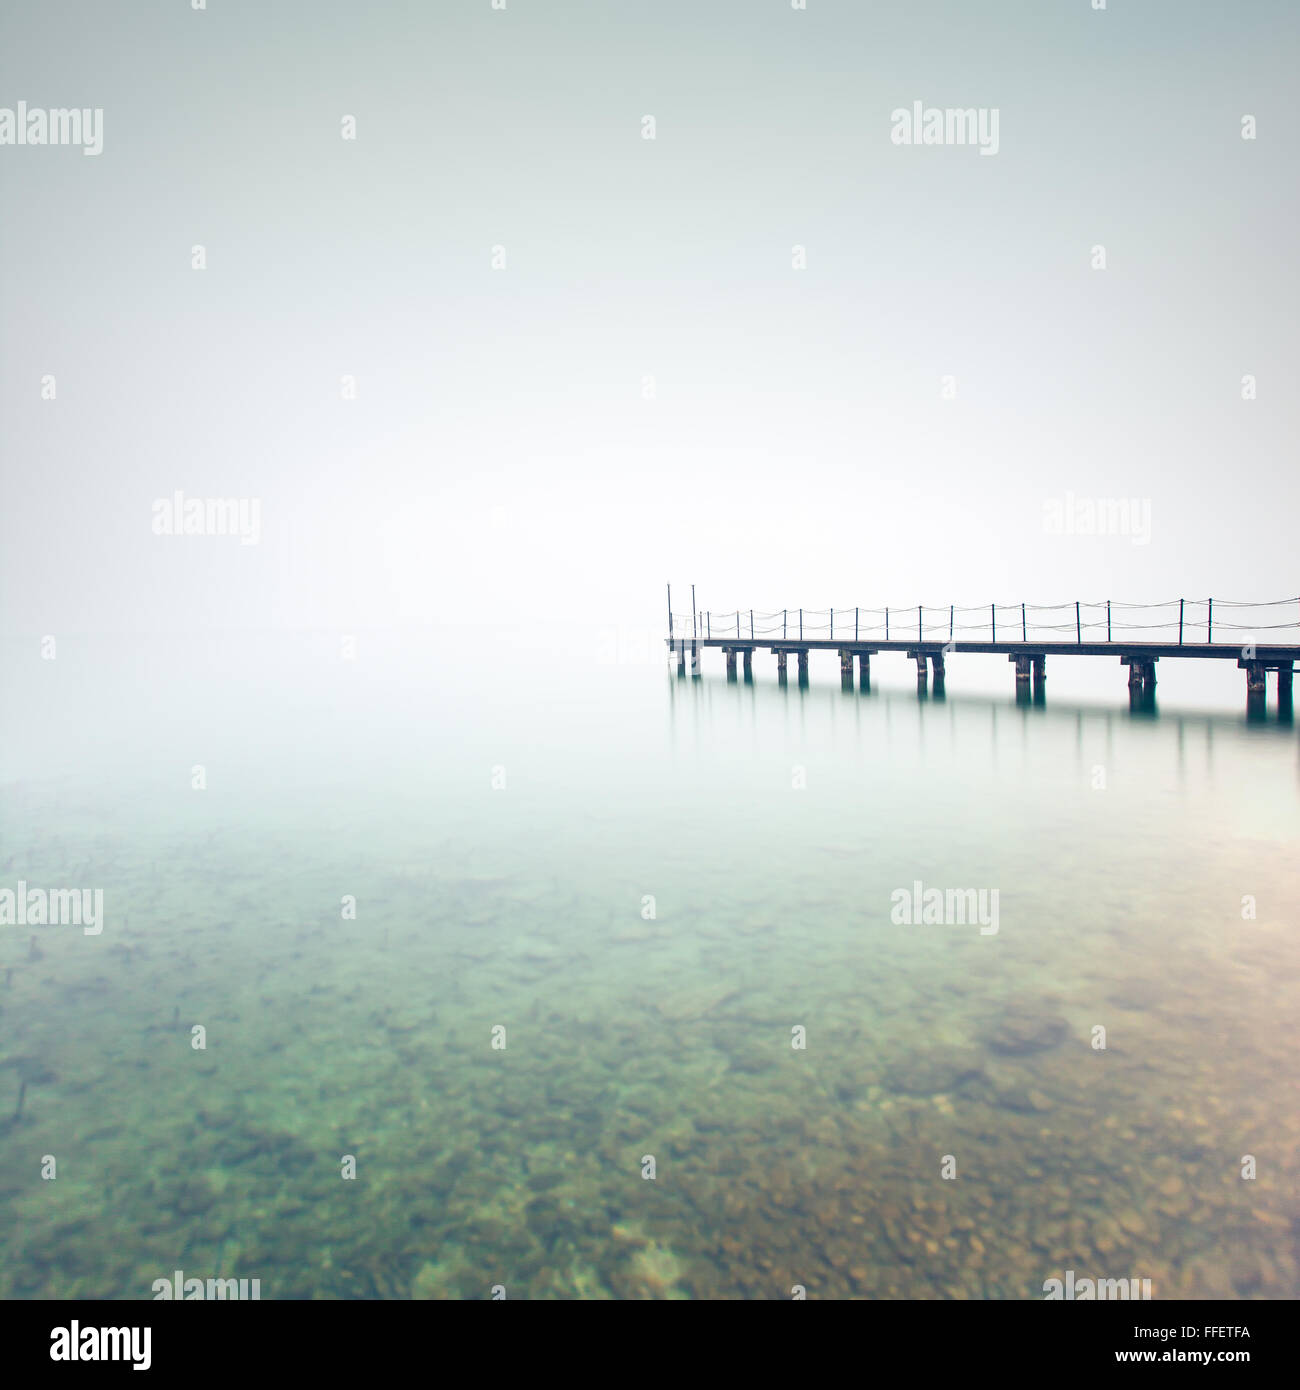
x,y
674,902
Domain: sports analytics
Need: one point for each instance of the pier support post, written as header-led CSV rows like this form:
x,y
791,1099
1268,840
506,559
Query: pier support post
x,y
922,681
781,676
846,669
1255,688
730,653
1024,668
937,672
749,666
1141,681
1285,709
803,667
695,659
681,656
1040,678
864,671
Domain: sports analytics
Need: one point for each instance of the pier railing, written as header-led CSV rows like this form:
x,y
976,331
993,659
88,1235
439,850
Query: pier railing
x,y
1231,622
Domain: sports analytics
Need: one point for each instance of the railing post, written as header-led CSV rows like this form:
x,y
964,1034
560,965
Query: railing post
x,y
694,633
1078,625
785,618
1108,620
993,608
670,612
1209,623
832,624
708,626
950,613
920,624
855,624
886,624
801,624
751,624
1180,621
737,622
1024,631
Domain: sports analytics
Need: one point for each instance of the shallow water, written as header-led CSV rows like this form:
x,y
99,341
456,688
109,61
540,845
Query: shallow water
x,y
772,828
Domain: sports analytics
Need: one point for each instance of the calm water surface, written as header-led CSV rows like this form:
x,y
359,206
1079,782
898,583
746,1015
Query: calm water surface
x,y
673,902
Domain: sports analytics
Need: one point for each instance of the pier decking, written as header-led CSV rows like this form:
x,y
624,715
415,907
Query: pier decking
x,y
862,633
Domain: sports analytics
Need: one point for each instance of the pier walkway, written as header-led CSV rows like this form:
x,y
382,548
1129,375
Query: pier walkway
x,y
1137,634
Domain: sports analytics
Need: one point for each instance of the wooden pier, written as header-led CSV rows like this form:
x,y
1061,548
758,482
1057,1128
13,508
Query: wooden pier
x,y
927,635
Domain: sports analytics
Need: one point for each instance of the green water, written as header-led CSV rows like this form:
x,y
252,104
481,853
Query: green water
x,y
501,831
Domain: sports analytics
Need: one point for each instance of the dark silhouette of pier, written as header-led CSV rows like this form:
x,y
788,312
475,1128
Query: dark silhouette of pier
x,y
928,635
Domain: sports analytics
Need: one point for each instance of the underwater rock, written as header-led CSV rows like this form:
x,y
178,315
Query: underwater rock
x,y
191,1197
543,1182
654,1271
1024,1099
1136,994
684,1008
1020,1034
933,1073
1131,1222
751,1063
534,951
434,1281
628,1235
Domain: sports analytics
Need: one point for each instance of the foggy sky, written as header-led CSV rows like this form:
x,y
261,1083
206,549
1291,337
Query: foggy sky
x,y
501,461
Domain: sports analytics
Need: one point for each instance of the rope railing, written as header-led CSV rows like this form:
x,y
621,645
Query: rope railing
x,y
1180,621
